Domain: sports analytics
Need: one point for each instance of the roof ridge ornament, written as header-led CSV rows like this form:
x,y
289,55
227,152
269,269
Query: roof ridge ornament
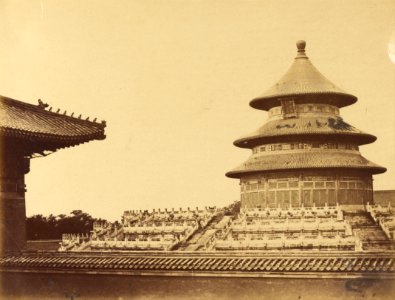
x,y
41,104
301,45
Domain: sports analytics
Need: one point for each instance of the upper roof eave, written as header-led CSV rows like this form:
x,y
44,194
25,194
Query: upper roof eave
x,y
302,79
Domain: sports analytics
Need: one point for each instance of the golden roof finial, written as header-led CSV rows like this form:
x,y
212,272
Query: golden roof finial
x,y
301,45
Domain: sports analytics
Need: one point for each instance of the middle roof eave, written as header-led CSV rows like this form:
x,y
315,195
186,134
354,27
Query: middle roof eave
x,y
315,127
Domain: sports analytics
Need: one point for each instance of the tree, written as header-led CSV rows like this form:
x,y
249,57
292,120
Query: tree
x,y
52,227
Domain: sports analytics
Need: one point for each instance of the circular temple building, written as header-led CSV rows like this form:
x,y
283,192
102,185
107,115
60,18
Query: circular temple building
x,y
305,154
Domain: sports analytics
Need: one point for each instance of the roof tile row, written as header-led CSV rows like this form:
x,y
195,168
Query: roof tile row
x,y
212,264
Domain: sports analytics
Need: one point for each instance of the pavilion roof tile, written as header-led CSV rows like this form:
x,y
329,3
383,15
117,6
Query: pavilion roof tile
x,y
27,121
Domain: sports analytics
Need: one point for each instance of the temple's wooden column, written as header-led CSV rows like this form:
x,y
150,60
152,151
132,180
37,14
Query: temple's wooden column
x,y
12,201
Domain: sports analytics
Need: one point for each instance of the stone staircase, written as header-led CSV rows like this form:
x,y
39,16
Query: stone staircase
x,y
193,242
368,231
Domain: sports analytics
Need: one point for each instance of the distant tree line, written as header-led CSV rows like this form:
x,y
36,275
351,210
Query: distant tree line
x,y
39,227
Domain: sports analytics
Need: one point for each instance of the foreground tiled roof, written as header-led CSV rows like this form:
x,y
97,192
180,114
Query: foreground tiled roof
x,y
310,159
303,79
302,263
327,127
36,123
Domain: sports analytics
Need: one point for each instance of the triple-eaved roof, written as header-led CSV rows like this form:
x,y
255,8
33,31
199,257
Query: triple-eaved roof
x,y
303,107
51,130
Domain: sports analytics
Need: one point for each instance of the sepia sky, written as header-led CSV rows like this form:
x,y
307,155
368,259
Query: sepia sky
x,y
173,80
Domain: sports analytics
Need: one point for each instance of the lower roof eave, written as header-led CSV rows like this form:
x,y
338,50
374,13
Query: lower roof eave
x,y
237,174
